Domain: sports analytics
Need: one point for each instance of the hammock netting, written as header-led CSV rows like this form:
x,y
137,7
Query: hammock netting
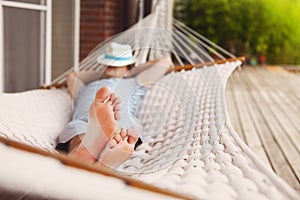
x,y
155,37
191,150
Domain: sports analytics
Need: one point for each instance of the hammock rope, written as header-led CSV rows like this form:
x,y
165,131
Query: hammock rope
x,y
155,36
191,151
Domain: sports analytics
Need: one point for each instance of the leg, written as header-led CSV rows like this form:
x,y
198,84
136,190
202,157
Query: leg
x,y
102,125
74,84
118,149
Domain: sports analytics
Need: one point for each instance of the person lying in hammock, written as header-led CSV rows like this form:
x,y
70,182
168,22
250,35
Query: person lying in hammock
x,y
104,130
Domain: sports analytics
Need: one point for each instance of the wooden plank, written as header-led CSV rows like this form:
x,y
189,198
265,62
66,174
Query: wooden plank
x,y
277,157
293,83
199,65
252,137
281,111
284,159
289,118
289,83
287,88
232,110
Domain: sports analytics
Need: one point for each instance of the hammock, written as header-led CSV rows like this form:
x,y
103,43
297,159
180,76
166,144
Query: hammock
x,y
192,151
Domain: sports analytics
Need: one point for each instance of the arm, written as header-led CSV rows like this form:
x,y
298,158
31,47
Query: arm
x,y
76,80
74,84
143,67
156,71
89,76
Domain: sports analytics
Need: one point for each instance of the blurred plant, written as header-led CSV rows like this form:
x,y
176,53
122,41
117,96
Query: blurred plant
x,y
248,27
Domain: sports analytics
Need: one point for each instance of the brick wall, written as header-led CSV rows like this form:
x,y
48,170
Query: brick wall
x,y
99,19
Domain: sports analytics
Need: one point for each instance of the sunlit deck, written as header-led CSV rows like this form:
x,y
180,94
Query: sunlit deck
x,y
264,108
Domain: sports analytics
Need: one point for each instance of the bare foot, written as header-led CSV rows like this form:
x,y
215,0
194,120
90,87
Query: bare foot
x,y
102,125
119,149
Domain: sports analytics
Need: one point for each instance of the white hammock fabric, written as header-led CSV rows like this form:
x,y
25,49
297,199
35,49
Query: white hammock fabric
x,y
196,151
35,117
202,156
30,176
191,150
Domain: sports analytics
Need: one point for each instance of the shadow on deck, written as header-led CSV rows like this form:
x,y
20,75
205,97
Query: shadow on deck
x,y
264,108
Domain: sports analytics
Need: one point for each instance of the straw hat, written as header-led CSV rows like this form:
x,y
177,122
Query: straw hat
x,y
117,55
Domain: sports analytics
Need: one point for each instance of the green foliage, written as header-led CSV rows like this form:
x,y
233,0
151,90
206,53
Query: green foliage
x,y
249,27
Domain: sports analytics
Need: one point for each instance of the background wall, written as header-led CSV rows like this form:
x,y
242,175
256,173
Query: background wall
x,y
102,19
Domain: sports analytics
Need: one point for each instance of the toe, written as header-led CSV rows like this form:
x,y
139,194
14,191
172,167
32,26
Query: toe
x,y
111,143
133,135
117,137
117,115
117,107
117,101
132,139
123,134
112,97
103,94
133,132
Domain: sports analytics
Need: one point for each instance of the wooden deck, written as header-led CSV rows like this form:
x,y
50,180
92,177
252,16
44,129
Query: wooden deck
x,y
264,108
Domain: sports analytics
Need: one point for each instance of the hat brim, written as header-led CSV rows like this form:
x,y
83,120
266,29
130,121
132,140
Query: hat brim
x,y
114,63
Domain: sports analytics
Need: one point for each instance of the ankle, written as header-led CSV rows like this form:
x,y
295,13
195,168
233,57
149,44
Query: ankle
x,y
83,154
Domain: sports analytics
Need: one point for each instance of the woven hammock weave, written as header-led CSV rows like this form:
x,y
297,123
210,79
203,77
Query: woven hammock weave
x,y
191,149
196,151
